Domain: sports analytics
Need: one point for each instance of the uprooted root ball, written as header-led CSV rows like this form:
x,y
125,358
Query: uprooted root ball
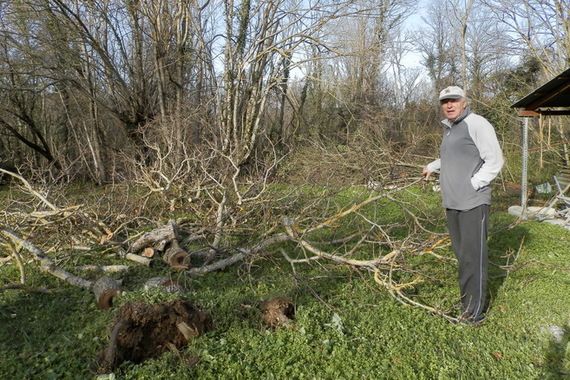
x,y
278,311
142,331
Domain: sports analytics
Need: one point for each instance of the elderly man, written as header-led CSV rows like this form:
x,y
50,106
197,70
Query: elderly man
x,y
470,158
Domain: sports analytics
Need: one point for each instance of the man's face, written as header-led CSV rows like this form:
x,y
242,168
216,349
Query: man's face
x,y
452,108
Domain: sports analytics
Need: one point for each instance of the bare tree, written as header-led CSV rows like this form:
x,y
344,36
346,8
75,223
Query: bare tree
x,y
464,46
22,113
538,27
113,65
461,18
436,46
362,42
485,48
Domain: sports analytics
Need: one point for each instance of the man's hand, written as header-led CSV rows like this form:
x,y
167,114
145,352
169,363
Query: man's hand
x,y
426,173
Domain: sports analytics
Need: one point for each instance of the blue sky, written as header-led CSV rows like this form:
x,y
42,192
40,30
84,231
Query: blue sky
x,y
413,24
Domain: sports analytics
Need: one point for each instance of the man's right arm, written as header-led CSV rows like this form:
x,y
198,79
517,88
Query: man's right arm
x,y
432,167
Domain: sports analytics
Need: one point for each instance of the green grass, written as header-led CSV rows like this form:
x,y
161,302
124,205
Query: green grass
x,y
346,326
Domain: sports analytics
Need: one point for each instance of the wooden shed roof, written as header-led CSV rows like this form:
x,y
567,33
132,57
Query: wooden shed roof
x,y
552,98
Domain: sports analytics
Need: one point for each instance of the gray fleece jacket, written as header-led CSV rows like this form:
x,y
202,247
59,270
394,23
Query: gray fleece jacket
x,y
470,158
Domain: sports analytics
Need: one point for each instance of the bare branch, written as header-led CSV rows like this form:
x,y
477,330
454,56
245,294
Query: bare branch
x,y
46,264
31,189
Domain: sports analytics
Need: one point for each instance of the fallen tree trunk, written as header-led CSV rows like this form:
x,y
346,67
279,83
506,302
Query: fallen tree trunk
x,y
46,264
105,288
242,254
104,268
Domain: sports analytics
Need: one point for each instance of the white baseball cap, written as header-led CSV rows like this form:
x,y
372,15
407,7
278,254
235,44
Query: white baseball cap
x,y
452,92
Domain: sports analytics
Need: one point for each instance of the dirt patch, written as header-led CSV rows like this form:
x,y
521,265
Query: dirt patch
x,y
142,331
277,312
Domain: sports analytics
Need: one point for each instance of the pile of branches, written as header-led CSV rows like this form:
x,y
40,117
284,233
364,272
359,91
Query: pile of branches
x,y
233,220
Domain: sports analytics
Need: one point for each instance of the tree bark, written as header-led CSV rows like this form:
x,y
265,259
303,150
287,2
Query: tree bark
x,y
105,289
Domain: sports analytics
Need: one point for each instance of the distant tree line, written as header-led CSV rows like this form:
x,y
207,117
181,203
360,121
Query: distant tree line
x,y
101,90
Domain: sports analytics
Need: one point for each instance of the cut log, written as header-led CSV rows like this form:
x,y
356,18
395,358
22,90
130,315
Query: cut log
x,y
165,241
164,283
156,238
105,289
148,252
139,259
176,257
104,268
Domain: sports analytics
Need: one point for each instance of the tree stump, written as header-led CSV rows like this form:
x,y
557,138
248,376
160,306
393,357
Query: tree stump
x,y
105,289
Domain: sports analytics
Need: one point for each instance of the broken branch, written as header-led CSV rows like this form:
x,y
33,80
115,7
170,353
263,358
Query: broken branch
x,y
46,264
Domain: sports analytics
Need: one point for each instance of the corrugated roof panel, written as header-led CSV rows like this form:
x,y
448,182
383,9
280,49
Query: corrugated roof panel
x,y
554,93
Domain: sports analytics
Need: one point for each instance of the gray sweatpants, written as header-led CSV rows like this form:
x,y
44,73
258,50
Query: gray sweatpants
x,y
468,231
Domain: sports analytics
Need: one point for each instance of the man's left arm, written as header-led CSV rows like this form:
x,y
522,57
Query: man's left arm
x,y
485,139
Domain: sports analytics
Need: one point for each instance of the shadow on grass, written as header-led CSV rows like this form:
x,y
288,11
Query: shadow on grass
x,y
40,332
554,361
504,244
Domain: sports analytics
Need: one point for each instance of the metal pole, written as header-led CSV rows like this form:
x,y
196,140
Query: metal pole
x,y
524,180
